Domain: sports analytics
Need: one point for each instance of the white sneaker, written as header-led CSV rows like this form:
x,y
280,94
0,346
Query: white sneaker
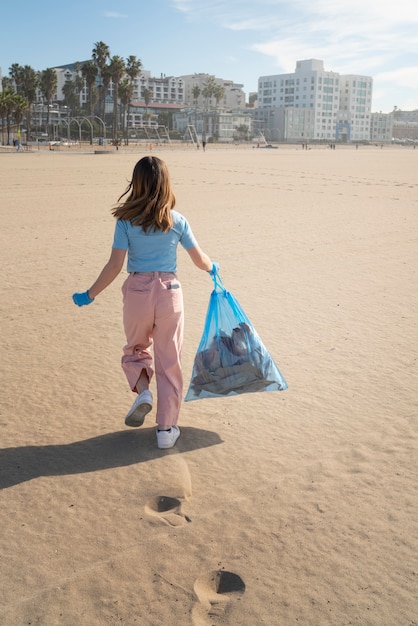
x,y
142,405
167,438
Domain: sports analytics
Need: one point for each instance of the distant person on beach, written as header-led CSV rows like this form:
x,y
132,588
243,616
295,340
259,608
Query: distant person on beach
x,y
149,230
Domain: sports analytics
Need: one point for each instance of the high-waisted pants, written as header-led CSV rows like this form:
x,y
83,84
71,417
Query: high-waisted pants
x,y
153,318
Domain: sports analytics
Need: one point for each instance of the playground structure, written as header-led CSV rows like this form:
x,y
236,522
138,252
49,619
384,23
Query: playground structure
x,y
259,136
192,134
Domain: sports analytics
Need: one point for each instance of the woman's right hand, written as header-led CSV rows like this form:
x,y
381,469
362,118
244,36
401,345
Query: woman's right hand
x,y
82,299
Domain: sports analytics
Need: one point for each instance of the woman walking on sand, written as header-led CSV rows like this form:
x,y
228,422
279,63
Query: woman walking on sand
x,y
149,230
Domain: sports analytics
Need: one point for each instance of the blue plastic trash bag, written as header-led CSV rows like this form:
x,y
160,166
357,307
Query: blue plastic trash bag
x,y
231,358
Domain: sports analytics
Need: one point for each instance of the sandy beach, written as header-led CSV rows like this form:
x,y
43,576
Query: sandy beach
x,y
282,508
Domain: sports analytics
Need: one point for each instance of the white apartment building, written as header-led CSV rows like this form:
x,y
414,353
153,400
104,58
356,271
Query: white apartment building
x,y
166,89
355,106
341,104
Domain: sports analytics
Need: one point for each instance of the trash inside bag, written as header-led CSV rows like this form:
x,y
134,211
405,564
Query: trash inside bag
x,y
231,358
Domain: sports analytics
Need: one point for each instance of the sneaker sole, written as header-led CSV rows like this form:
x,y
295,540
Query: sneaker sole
x,y
137,418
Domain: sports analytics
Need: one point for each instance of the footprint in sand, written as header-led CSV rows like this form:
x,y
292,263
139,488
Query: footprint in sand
x,y
215,591
168,509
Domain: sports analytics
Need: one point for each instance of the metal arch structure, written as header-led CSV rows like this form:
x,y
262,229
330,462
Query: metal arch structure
x,y
88,119
69,121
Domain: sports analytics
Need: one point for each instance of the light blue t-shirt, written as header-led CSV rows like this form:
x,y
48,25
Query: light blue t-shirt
x,y
153,251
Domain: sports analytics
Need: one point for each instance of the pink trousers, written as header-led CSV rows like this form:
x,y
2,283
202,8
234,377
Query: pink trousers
x,y
153,318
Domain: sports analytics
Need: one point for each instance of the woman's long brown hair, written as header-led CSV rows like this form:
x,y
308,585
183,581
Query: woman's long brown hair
x,y
150,197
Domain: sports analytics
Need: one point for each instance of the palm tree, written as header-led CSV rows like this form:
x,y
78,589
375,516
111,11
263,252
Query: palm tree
x,y
89,73
12,105
79,80
48,85
147,95
106,79
20,105
133,68
117,70
14,72
26,80
6,109
208,89
6,83
207,93
196,93
101,54
126,90
218,94
71,97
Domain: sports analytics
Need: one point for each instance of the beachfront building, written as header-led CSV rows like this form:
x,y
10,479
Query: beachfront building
x,y
405,126
381,127
284,124
233,98
355,108
166,89
162,90
214,125
336,107
404,131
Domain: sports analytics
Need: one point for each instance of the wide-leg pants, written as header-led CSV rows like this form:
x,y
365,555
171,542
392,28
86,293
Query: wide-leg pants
x,y
153,318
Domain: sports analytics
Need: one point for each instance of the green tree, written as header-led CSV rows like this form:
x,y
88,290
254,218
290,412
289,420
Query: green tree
x,y
12,107
6,83
48,85
196,91
101,54
218,93
253,99
26,81
6,109
208,90
133,69
242,131
71,97
20,105
79,80
89,73
106,79
15,72
126,91
147,95
117,71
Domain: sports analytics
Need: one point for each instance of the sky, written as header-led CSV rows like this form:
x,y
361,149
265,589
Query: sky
x,y
238,40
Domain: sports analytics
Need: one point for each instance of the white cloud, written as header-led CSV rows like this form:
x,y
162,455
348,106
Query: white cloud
x,y
404,76
114,14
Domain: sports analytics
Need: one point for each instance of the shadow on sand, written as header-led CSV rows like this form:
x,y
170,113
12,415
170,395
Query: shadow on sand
x,y
119,449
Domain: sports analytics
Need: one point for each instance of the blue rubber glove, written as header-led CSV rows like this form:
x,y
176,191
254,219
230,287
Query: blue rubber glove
x,y
214,270
81,299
